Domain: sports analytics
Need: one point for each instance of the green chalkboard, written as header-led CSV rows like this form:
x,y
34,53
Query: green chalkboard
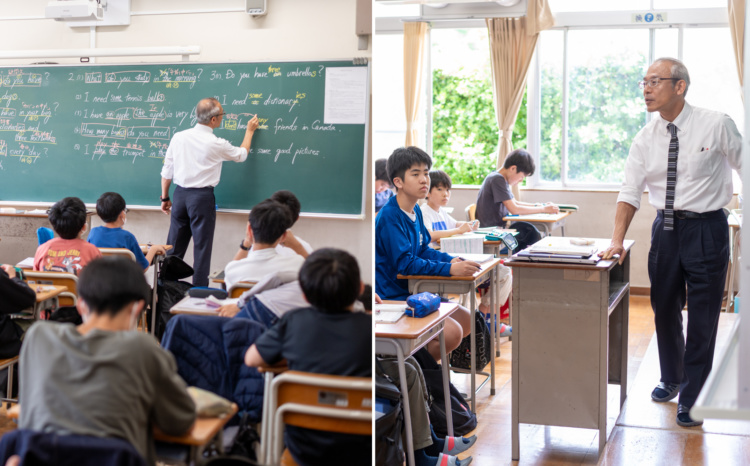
x,y
83,130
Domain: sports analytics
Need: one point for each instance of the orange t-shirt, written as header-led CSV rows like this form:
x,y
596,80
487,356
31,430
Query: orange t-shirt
x,y
64,255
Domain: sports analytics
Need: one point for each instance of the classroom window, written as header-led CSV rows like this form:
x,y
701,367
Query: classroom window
x,y
464,126
585,133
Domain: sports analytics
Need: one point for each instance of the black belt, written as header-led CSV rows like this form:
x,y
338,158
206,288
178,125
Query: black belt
x,y
686,214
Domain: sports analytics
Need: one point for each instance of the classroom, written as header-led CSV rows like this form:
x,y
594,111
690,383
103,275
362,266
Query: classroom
x,y
94,93
560,79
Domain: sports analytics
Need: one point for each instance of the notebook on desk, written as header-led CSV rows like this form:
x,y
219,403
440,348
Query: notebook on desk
x,y
529,256
389,313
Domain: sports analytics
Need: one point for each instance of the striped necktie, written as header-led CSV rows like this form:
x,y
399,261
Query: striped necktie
x,y
674,147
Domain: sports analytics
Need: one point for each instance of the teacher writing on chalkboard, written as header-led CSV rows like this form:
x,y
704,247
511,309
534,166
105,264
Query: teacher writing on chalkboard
x,y
193,161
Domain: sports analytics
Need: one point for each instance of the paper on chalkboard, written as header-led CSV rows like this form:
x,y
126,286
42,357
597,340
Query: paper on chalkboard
x,y
345,96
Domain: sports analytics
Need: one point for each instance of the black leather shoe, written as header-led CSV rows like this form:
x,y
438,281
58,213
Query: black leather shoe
x,y
665,392
684,419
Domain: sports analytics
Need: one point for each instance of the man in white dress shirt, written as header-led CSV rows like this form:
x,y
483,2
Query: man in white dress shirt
x,y
685,157
193,162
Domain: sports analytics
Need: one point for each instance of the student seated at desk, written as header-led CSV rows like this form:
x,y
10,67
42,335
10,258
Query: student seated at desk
x,y
439,223
327,338
266,227
268,301
102,378
292,243
111,209
15,296
495,199
383,184
68,253
402,242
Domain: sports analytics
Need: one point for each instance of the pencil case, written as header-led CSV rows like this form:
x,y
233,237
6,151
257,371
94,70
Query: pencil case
x,y
422,304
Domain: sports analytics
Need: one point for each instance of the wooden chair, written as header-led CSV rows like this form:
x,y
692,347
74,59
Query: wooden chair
x,y
330,403
471,212
125,252
69,280
9,363
240,287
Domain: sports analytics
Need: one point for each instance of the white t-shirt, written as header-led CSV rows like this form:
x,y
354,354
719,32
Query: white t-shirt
x,y
260,263
437,221
285,251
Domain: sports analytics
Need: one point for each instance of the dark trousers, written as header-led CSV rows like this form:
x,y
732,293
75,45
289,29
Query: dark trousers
x,y
689,264
193,216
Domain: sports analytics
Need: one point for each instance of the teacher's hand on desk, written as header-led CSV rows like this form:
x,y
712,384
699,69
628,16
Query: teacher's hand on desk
x,y
614,251
463,268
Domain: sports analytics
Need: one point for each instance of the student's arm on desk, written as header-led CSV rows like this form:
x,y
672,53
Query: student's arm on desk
x,y
173,410
525,208
154,250
464,227
623,217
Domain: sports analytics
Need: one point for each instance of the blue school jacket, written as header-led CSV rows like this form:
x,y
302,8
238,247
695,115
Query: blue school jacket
x,y
402,247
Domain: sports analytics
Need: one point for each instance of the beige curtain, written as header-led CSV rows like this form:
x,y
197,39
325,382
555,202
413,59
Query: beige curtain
x,y
414,43
737,31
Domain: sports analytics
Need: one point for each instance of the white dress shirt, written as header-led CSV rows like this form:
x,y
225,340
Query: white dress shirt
x,y
285,251
709,147
195,155
260,263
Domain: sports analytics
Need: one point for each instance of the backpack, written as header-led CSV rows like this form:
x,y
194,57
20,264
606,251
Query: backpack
x,y
464,421
168,293
461,356
527,234
389,427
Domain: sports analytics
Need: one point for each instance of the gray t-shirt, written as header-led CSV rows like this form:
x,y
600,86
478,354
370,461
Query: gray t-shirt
x,y
492,194
105,384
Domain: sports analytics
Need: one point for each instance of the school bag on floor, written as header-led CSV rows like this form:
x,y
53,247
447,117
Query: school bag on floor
x,y
389,428
464,421
461,356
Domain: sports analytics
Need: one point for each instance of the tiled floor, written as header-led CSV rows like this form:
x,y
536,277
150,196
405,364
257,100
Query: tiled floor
x,y
645,434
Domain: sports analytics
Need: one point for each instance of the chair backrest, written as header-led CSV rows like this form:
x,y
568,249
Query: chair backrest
x,y
125,252
69,280
44,234
240,287
471,212
330,403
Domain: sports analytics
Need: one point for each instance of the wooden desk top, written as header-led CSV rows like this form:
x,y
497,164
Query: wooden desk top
x,y
45,292
486,268
600,243
144,247
410,328
203,430
539,218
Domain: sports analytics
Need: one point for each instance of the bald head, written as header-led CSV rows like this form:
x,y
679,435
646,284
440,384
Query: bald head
x,y
207,109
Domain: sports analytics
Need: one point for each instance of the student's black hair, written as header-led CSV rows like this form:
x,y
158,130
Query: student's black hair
x,y
109,206
366,298
440,179
108,284
522,160
68,217
329,278
290,200
381,170
404,158
269,220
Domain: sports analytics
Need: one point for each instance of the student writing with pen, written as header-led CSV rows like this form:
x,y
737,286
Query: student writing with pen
x,y
495,199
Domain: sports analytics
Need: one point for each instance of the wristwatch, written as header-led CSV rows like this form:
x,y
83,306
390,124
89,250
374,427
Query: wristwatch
x,y
164,199
242,246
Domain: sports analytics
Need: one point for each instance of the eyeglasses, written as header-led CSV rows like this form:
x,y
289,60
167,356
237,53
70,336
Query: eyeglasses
x,y
126,210
653,82
217,116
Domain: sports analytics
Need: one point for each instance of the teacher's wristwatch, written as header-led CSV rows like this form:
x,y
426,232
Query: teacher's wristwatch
x,y
164,199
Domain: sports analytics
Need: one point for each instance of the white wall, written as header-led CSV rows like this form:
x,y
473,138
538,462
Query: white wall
x,y
594,219
292,30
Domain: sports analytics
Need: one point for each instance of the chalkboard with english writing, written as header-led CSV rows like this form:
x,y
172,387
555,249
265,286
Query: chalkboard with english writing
x,y
87,129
